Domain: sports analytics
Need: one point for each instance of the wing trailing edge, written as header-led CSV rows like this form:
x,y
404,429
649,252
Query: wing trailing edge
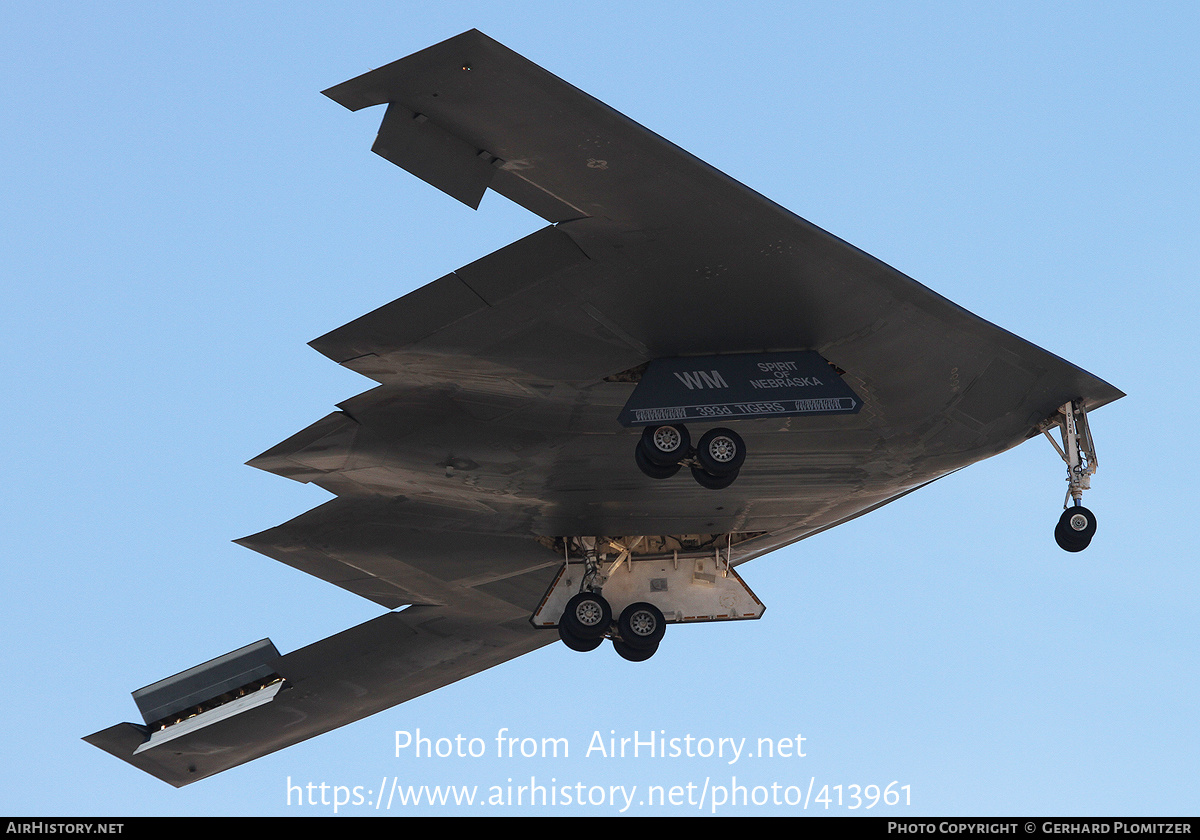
x,y
496,419
341,679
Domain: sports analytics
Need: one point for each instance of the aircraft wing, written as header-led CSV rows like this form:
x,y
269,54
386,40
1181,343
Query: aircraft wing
x,y
253,701
492,440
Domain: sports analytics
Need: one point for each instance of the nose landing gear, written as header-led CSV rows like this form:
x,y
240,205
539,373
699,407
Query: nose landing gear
x,y
1077,525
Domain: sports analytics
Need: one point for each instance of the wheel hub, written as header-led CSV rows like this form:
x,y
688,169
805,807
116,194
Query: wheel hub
x,y
722,449
642,623
667,438
589,613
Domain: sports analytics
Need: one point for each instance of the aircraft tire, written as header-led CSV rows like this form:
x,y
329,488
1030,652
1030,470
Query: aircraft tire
x,y
1075,529
642,626
650,468
713,482
666,445
1080,520
721,452
1068,541
587,616
575,643
631,653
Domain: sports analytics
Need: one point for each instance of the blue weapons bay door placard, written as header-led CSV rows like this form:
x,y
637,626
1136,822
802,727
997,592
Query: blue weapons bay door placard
x,y
743,386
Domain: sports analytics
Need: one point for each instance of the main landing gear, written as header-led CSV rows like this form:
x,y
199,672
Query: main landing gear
x,y
714,461
628,591
1077,525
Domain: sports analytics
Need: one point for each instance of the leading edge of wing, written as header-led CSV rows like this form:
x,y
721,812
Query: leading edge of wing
x,y
471,110
469,114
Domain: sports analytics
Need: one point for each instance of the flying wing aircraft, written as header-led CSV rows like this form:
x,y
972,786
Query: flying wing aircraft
x,y
580,436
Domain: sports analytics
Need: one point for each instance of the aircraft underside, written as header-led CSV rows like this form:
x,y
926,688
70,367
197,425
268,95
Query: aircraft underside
x,y
511,479
627,590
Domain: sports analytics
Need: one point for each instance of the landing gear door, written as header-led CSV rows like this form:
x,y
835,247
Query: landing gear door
x,y
742,386
685,590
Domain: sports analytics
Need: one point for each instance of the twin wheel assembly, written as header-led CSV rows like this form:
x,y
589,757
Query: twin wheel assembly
x,y
1075,529
715,460
605,590
588,619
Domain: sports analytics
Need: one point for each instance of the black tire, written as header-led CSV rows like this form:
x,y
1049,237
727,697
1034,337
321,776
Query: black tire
x,y
1068,540
721,452
575,643
1075,529
649,467
666,445
1079,520
631,653
587,616
641,626
713,482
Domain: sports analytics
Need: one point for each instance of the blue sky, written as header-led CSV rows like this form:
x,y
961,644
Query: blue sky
x,y
184,211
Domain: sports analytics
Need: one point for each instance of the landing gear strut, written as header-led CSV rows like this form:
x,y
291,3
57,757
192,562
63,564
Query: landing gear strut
x,y
714,462
1077,525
